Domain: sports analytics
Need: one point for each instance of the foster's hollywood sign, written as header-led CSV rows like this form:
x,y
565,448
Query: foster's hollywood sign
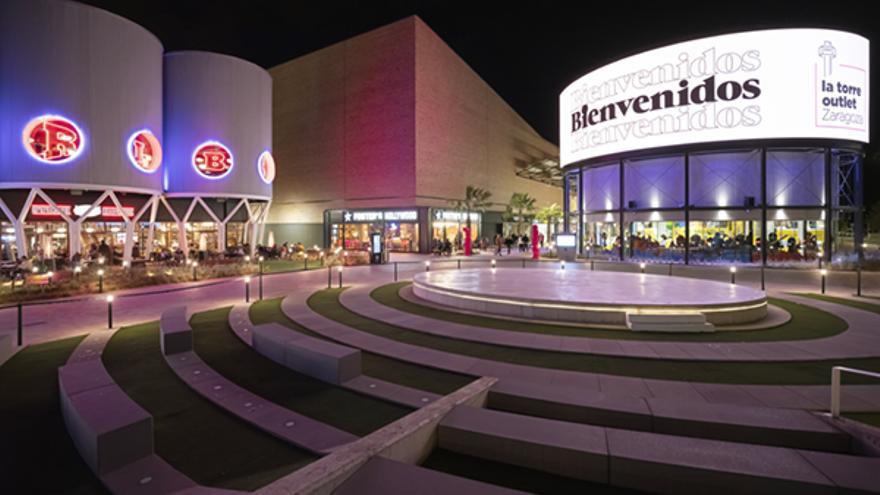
x,y
772,84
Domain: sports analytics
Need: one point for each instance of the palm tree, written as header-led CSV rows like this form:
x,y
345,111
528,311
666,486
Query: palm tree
x,y
520,210
550,215
475,199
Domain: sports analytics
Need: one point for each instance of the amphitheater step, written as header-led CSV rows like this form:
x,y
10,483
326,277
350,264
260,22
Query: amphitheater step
x,y
660,322
749,424
650,461
387,477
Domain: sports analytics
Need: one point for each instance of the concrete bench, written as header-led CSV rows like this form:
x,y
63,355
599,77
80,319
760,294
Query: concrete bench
x,y
6,348
566,449
317,358
108,428
175,332
691,322
387,477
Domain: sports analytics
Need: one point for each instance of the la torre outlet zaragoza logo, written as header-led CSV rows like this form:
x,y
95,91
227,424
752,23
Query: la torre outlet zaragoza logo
x,y
775,84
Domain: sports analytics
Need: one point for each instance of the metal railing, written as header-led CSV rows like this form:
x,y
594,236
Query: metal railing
x,y
835,385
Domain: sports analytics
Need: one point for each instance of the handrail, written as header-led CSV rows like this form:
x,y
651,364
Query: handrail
x,y
835,385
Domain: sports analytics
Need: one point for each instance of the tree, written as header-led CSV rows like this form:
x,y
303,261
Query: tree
x,y
520,210
550,215
475,199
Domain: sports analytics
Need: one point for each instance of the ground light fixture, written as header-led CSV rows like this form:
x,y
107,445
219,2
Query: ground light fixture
x,y
101,260
35,270
247,259
427,266
101,280
493,264
247,289
110,310
642,267
126,264
340,276
732,275
562,265
261,259
824,273
77,270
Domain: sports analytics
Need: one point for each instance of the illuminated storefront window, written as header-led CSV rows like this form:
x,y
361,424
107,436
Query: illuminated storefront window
x,y
53,139
447,225
351,229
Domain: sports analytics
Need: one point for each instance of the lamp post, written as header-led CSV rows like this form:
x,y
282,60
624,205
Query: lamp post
x,y
247,289
101,280
261,277
340,276
824,273
642,267
733,275
110,311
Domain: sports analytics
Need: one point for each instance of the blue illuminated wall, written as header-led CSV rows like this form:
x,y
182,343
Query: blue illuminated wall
x,y
213,97
97,69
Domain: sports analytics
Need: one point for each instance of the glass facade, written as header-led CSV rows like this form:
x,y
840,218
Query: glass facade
x,y
803,204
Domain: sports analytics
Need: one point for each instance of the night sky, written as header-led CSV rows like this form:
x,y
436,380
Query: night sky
x,y
527,51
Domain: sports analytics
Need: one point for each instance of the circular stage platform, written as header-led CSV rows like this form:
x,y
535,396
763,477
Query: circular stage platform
x,y
638,301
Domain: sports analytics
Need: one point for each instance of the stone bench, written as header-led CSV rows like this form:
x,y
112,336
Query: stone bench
x,y
646,322
108,428
175,332
381,476
6,348
566,449
314,357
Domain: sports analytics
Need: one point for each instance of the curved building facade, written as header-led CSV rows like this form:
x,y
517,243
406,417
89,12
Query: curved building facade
x,y
730,149
218,136
86,152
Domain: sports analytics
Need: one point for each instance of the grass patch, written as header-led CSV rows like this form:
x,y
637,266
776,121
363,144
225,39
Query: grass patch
x,y
869,418
208,445
806,323
283,266
515,477
853,303
218,346
381,367
36,453
326,302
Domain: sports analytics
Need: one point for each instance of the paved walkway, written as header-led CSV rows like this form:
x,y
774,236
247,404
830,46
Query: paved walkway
x,y
862,339
815,397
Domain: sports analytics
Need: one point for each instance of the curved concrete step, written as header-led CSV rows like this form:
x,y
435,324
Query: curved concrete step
x,y
650,461
749,424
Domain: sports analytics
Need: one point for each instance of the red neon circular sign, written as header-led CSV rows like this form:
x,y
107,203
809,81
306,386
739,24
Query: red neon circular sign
x,y
266,167
212,160
52,139
144,151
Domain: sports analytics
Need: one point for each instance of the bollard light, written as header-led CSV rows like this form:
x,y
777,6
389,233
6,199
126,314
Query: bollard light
x,y
493,264
340,276
126,264
110,310
733,275
427,266
195,266
562,265
247,289
35,270
101,260
50,274
824,274
101,280
261,259
77,270
642,267
247,258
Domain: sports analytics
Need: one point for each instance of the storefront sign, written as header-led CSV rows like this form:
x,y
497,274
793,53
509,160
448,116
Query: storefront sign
x,y
455,216
144,151
44,210
212,160
378,216
53,139
783,83
266,167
